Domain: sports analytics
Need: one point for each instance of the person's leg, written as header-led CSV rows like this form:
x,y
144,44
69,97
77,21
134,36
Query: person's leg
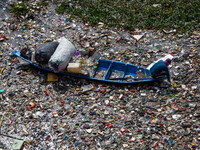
x,y
160,75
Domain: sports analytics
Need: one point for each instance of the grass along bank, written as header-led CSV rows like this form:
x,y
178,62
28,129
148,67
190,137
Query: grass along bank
x,y
183,15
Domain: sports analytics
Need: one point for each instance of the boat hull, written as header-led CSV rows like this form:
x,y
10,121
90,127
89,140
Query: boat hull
x,y
107,71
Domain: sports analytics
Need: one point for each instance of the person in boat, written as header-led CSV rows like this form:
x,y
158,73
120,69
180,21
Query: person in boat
x,y
160,69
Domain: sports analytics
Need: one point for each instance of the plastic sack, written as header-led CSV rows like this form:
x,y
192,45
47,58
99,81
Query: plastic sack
x,y
45,51
61,57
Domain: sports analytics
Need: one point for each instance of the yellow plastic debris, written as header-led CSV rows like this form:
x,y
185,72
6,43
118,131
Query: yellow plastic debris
x,y
74,67
52,77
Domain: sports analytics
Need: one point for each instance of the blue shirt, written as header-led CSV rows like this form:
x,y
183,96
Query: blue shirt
x,y
159,67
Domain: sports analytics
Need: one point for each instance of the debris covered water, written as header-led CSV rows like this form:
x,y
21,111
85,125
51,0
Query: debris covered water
x,y
70,113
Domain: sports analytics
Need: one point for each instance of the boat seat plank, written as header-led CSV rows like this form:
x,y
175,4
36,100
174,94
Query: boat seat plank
x,y
108,72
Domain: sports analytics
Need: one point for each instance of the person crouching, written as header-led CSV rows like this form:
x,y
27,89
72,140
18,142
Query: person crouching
x,y
160,69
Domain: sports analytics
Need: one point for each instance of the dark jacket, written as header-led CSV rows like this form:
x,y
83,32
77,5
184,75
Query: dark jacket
x,y
160,68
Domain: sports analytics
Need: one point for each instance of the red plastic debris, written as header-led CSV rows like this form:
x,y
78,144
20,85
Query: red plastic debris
x,y
109,125
156,145
47,92
139,130
102,90
118,39
85,140
126,94
62,103
123,129
163,142
13,109
132,90
108,104
32,106
47,139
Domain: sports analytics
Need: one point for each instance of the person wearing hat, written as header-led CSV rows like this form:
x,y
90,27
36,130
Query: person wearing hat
x,y
160,69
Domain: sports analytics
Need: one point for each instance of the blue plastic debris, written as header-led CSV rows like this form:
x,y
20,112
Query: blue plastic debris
x,y
172,143
77,144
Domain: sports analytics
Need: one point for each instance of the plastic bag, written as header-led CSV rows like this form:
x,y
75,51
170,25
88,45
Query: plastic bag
x,y
26,53
45,51
62,55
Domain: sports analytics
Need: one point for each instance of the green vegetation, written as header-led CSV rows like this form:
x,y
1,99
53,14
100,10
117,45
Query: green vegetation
x,y
183,15
62,7
43,4
19,9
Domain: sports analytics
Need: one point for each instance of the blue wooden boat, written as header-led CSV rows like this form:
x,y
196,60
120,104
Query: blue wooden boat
x,y
107,71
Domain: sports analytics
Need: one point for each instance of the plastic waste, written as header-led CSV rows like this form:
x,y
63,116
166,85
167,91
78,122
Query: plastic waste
x,y
74,68
139,74
26,53
72,113
45,51
61,57
92,59
17,145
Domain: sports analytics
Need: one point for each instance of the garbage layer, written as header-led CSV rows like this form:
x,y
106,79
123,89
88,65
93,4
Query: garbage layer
x,y
71,113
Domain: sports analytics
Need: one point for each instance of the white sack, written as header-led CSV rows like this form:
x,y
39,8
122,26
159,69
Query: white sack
x,y
62,55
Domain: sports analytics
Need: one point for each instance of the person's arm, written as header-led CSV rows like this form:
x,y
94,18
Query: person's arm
x,y
168,75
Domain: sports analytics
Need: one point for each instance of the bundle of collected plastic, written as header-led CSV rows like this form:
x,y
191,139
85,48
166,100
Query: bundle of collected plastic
x,y
45,51
61,57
